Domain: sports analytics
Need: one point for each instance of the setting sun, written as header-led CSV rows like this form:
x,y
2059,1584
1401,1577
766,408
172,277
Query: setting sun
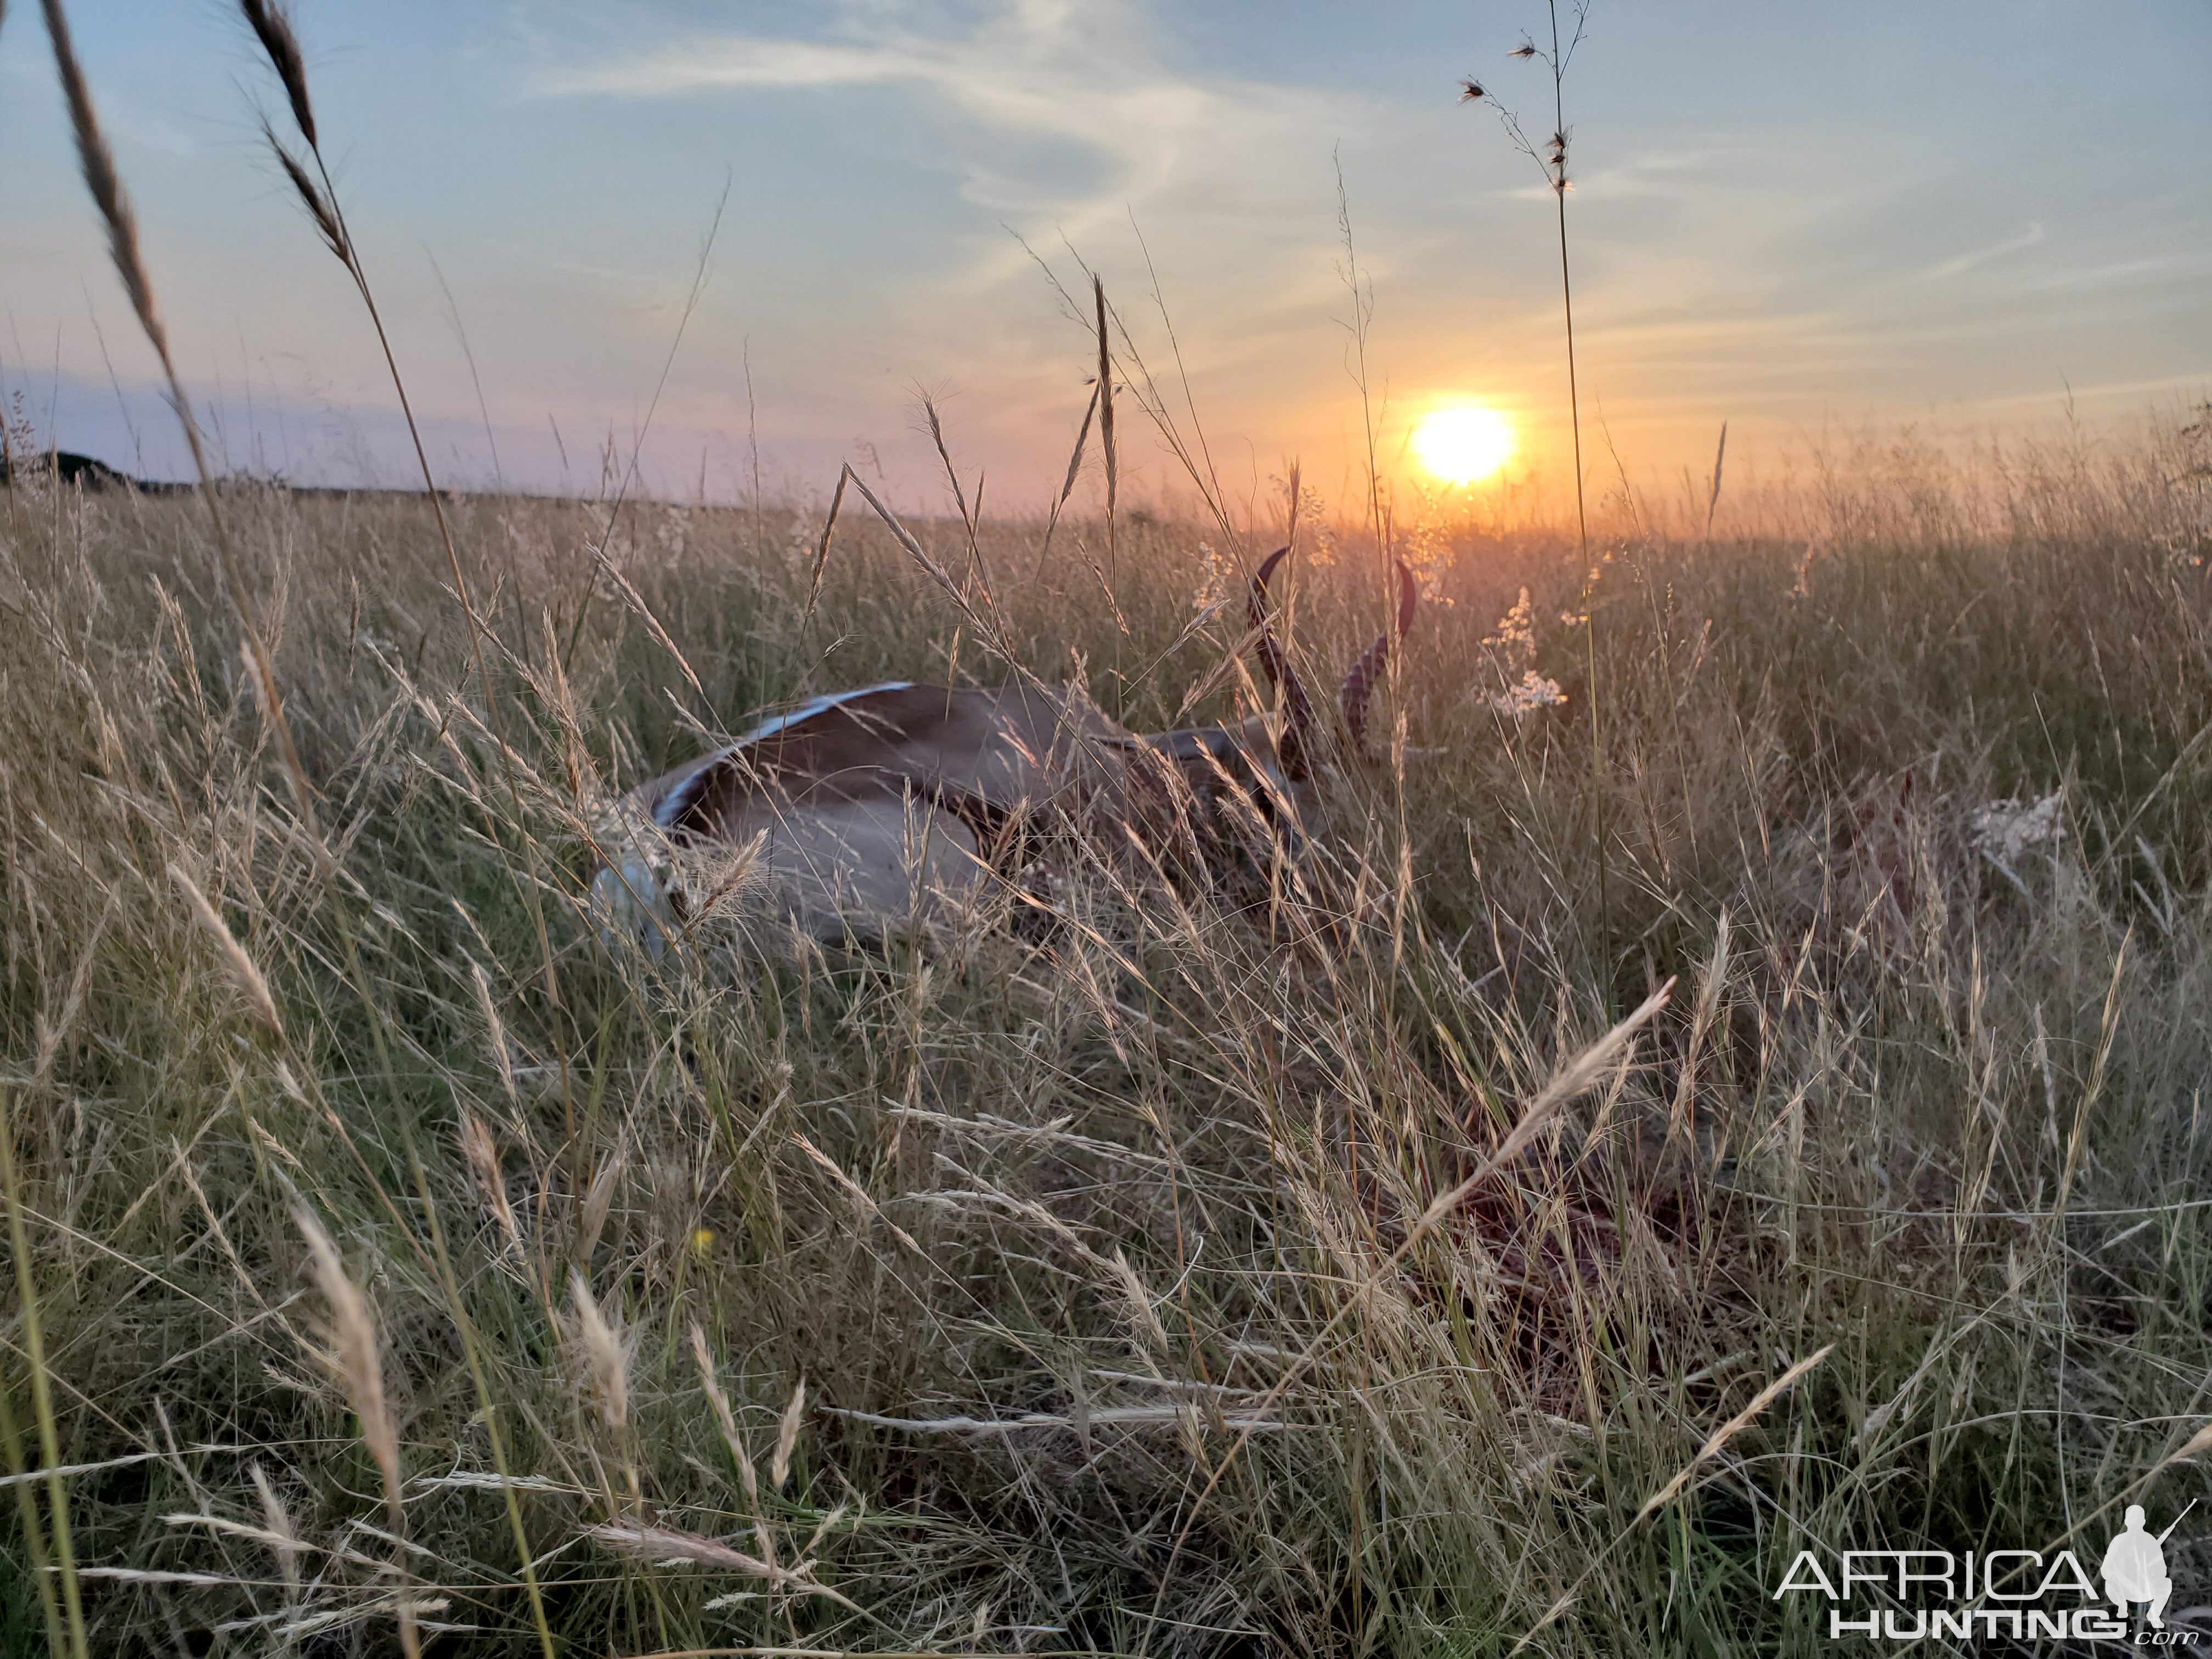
x,y
1465,443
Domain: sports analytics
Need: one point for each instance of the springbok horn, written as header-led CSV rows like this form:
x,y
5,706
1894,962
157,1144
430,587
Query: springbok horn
x,y
1364,675
1297,709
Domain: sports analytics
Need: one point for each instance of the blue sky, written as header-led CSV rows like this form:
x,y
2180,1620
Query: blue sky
x,y
1789,216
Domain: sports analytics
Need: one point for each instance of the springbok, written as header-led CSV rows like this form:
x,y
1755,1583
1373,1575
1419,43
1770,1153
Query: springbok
x,y
863,809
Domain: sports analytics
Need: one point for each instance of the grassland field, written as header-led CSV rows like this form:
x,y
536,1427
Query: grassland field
x,y
1075,1285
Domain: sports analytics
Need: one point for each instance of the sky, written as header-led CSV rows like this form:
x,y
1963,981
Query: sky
x,y
1797,218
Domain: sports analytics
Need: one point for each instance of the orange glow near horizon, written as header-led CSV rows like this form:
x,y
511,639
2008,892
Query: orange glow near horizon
x,y
1464,443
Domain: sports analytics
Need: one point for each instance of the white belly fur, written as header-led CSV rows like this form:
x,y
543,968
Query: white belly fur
x,y
871,867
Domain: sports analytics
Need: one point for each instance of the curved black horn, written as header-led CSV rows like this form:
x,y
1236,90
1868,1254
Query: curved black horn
x,y
1297,708
1360,681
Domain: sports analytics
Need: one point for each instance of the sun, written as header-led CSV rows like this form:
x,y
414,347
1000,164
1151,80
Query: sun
x,y
1463,443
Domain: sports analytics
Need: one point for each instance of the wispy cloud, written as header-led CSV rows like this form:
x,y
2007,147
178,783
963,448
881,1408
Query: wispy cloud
x,y
1093,75
2123,392
2106,279
1656,173
1967,262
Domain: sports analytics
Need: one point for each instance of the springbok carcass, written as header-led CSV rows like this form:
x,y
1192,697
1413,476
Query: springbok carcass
x,y
872,811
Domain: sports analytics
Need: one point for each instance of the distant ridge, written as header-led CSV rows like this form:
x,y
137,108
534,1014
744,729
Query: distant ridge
x,y
90,472
87,472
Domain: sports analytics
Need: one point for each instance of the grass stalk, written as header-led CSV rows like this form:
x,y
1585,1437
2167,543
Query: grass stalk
x,y
1551,159
42,1398
1558,63
27,1517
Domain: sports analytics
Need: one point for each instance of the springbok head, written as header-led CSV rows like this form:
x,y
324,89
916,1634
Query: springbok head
x,y
1274,760
869,810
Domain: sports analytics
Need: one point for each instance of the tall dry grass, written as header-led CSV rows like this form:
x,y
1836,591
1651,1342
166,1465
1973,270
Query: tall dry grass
x,y
1080,1283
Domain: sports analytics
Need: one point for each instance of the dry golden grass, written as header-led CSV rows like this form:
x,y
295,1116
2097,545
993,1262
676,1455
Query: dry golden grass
x,y
1085,1285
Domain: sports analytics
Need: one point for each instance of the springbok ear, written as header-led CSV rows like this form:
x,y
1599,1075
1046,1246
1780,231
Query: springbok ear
x,y
1409,599
1298,708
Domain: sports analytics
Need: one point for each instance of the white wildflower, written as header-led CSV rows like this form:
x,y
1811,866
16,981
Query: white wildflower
x,y
1513,653
1517,630
1524,696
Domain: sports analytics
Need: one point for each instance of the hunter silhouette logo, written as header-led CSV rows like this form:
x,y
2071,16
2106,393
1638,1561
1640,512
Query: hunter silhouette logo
x,y
2134,1567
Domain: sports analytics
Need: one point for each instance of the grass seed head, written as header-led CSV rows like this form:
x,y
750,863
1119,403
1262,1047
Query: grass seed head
x,y
243,974
328,225
786,1436
665,1547
103,181
724,1419
503,1055
287,1546
273,28
359,1364
482,1153
598,1199
1142,1313
606,1362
